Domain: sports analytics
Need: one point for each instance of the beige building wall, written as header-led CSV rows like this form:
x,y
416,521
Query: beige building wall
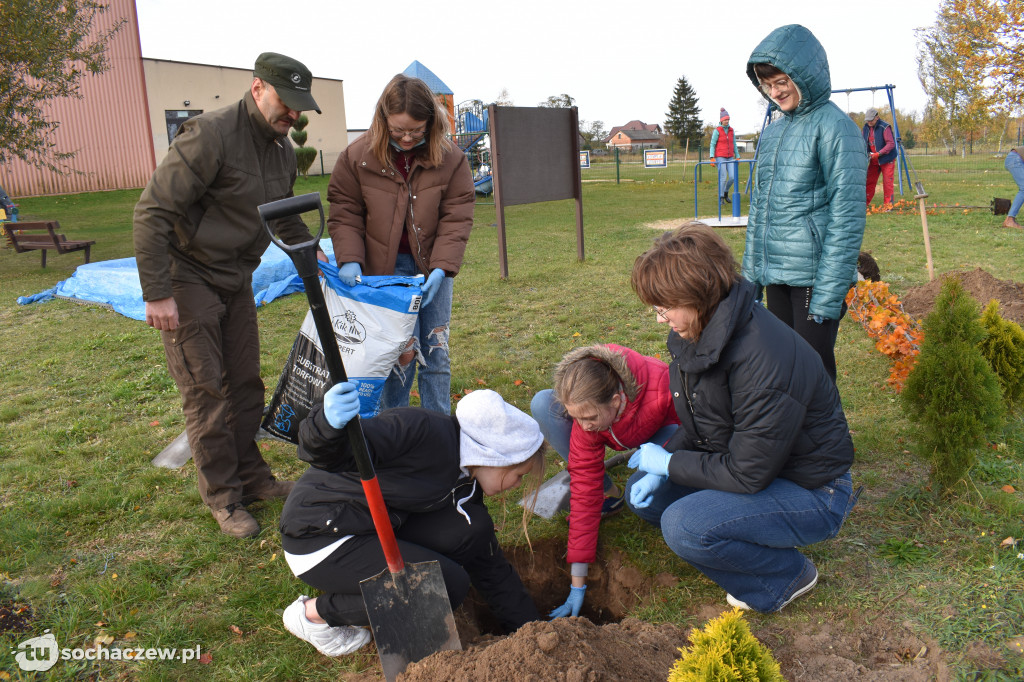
x,y
182,89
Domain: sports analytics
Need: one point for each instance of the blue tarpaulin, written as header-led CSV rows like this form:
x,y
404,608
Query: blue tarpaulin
x,y
115,283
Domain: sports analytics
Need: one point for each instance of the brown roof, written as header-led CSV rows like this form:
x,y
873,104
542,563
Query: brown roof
x,y
635,124
637,135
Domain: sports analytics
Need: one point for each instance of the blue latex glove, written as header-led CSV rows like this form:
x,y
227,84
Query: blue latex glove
x,y
341,404
642,492
572,605
652,458
349,273
817,318
432,284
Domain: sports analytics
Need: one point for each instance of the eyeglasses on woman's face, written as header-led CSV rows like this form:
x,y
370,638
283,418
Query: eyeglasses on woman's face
x,y
661,313
412,134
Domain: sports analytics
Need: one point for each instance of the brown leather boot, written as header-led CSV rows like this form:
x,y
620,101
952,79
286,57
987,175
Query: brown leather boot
x,y
1011,222
235,521
270,490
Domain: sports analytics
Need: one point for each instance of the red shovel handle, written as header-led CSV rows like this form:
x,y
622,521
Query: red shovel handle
x,y
382,522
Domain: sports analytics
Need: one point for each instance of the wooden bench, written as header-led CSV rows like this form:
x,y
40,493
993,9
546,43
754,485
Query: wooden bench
x,y
42,236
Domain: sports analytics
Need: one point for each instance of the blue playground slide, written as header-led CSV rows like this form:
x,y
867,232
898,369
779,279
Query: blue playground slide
x,y
484,185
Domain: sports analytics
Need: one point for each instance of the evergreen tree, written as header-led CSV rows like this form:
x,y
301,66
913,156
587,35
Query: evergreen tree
x,y
304,155
952,393
683,118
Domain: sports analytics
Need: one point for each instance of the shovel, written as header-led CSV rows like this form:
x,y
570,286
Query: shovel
x,y
408,606
553,494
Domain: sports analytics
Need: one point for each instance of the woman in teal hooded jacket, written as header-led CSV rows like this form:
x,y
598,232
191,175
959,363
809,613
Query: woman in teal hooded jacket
x,y
807,207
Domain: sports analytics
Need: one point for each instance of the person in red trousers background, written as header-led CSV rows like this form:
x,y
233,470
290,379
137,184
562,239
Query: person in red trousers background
x,y
882,148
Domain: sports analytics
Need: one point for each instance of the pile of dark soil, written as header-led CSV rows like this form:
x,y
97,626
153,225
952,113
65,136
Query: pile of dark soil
x,y
608,646
918,302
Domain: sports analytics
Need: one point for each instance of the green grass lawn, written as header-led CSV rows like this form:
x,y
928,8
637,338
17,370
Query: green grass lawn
x,y
96,542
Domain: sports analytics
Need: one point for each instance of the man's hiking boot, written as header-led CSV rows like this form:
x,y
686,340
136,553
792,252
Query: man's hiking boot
x,y
235,521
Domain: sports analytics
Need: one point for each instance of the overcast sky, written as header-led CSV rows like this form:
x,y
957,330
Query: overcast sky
x,y
620,61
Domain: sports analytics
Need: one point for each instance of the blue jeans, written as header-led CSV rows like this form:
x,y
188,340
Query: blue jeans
x,y
556,426
726,175
430,338
746,543
1015,164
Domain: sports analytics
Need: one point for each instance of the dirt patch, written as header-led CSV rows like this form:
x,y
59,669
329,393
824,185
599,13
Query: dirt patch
x,y
664,225
871,652
607,646
567,649
15,618
577,650
918,302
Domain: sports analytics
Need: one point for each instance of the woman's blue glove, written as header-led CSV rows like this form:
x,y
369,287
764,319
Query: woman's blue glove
x,y
349,273
341,404
652,458
432,284
572,605
641,494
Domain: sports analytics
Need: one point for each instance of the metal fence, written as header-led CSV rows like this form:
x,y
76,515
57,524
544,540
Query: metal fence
x,y
619,166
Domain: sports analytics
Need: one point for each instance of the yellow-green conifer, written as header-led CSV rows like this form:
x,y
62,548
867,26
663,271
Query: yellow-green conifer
x,y
725,651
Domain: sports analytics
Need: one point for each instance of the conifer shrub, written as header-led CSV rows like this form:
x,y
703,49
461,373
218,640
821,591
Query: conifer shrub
x,y
725,651
304,155
952,394
1004,350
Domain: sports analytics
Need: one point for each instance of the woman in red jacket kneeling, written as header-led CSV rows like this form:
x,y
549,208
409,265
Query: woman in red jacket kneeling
x,y
604,397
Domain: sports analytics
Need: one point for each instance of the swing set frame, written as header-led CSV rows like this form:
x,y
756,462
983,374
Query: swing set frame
x,y
902,167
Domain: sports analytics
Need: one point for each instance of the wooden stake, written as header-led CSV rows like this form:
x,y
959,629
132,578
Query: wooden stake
x,y
924,227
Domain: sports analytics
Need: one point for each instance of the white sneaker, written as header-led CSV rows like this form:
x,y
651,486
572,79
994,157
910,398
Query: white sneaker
x,y
800,591
329,641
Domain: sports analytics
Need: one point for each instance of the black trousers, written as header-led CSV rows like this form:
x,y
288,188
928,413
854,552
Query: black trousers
x,y
467,551
792,306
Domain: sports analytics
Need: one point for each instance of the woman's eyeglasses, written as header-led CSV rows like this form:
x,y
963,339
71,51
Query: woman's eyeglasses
x,y
660,312
414,134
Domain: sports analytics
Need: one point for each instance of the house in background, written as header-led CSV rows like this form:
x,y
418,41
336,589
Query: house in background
x,y
631,140
746,145
635,125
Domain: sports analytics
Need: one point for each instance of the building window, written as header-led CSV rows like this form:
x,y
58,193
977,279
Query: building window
x,y
174,120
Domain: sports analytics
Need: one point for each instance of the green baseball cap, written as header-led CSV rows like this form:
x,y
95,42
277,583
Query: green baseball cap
x,y
290,78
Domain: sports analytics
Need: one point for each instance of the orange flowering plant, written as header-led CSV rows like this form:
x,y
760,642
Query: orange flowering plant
x,y
897,335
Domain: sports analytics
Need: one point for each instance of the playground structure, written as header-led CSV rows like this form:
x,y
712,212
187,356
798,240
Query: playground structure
x,y
469,125
471,134
902,165
735,220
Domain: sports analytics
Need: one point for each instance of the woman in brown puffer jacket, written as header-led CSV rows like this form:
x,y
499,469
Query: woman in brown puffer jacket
x,y
401,203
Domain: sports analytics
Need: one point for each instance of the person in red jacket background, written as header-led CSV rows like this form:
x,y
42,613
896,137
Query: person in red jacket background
x,y
604,396
882,149
724,150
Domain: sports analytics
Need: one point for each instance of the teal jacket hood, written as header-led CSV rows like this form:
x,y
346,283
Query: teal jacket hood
x,y
795,51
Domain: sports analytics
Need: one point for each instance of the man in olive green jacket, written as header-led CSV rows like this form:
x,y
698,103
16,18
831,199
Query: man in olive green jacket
x,y
198,238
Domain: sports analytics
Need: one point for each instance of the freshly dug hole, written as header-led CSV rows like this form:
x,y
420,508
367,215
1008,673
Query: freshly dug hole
x,y
613,588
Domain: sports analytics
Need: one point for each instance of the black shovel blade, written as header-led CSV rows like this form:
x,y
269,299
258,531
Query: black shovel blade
x,y
410,615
